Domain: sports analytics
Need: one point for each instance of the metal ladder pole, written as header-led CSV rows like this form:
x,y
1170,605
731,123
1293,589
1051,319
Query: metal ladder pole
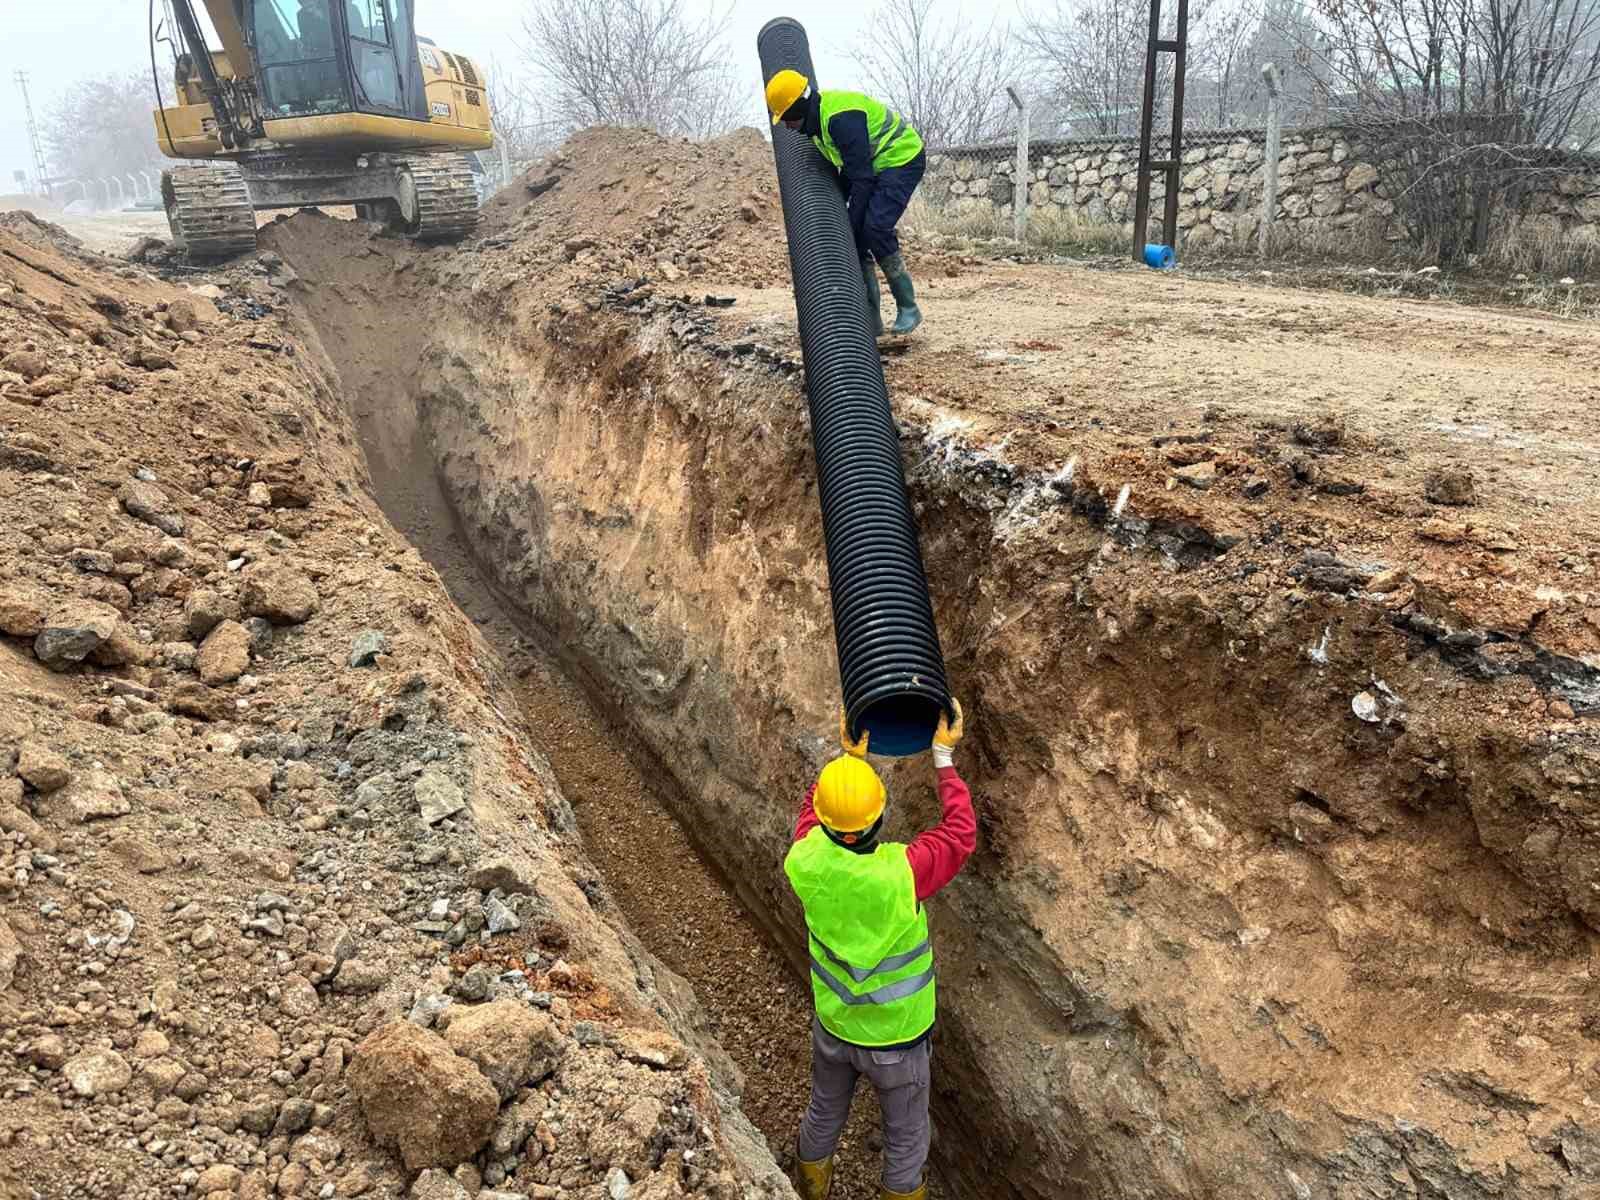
x,y
1177,46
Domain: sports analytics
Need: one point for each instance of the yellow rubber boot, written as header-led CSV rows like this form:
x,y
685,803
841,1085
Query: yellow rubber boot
x,y
813,1179
920,1194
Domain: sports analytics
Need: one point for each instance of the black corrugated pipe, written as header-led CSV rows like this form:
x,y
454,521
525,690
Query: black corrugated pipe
x,y
890,663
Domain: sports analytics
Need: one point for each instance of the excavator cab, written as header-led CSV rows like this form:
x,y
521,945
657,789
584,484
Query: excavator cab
x,y
304,72
318,102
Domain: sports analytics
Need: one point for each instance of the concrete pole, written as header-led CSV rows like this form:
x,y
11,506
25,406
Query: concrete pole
x,y
505,159
1023,182
1269,194
133,184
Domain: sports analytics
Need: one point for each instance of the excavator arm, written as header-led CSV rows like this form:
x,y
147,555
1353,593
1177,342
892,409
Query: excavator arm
x,y
227,82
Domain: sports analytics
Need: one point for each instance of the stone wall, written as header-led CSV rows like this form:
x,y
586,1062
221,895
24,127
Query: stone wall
x,y
1326,185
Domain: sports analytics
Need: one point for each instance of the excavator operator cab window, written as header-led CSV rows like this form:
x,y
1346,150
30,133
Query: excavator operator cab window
x,y
326,56
372,54
296,44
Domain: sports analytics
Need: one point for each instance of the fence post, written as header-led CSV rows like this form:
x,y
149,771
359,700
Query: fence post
x,y
1269,194
1023,183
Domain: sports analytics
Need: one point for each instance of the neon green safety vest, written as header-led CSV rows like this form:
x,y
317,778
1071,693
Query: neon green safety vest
x,y
871,958
894,142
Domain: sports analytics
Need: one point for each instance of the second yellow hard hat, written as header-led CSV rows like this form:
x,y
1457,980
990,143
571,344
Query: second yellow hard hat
x,y
783,89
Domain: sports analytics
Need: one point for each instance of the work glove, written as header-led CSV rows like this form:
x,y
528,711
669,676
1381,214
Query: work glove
x,y
858,749
947,735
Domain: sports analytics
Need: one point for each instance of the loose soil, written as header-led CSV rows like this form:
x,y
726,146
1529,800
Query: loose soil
x,y
670,896
230,849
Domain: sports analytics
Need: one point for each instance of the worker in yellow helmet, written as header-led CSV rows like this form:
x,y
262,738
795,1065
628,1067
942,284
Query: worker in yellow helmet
x,y
871,957
880,160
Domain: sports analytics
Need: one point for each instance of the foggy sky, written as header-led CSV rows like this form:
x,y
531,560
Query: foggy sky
x,y
65,40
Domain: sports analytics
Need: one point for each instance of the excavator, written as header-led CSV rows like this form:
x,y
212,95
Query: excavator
x,y
316,102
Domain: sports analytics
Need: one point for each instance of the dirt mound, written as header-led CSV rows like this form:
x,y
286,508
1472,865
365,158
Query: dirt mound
x,y
27,226
628,202
260,797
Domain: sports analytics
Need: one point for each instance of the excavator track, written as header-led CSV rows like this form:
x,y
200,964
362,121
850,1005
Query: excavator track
x,y
209,210
438,198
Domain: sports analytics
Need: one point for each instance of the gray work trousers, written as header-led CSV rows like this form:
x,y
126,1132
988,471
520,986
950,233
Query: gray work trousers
x,y
901,1078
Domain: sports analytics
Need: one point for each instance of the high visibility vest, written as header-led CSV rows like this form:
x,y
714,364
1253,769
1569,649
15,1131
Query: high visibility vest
x,y
894,142
871,958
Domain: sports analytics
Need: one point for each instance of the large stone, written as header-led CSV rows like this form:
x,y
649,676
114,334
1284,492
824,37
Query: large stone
x,y
359,976
420,1098
97,1073
72,632
1450,485
512,1044
148,503
224,655
279,593
21,610
205,609
10,955
92,795
219,1177
298,998
434,1184
438,796
1360,178
42,768
121,648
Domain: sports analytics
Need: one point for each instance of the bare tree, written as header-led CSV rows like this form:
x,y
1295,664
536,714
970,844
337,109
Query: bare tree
x,y
1092,55
950,83
1464,103
520,120
1222,71
646,63
102,126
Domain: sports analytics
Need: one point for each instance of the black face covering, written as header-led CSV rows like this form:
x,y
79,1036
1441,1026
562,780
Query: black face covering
x,y
805,110
865,842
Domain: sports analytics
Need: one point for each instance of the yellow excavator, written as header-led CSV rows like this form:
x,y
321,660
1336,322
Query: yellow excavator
x,y
316,102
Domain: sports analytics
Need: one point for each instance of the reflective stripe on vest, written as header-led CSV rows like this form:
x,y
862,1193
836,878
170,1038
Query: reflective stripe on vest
x,y
894,141
893,963
872,973
887,994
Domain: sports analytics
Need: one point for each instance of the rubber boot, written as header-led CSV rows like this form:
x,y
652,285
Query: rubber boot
x,y
920,1194
909,315
813,1179
869,276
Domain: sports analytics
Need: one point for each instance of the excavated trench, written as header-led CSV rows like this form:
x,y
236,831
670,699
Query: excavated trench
x,y
672,896
1203,951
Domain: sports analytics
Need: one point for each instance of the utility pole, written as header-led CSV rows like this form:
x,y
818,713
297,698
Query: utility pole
x,y
41,177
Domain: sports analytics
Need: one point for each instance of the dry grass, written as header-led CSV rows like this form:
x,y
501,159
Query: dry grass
x,y
985,231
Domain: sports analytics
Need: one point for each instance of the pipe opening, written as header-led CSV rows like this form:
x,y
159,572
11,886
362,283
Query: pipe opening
x,y
900,725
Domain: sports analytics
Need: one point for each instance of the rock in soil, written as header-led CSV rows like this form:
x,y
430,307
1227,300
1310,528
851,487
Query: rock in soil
x,y
42,768
224,655
278,593
1451,485
420,1099
97,1073
72,632
512,1044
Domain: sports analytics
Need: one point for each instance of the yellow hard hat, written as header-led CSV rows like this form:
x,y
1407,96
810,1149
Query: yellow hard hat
x,y
849,796
783,89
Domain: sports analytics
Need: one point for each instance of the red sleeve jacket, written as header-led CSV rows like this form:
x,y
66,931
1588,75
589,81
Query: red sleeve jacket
x,y
936,854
